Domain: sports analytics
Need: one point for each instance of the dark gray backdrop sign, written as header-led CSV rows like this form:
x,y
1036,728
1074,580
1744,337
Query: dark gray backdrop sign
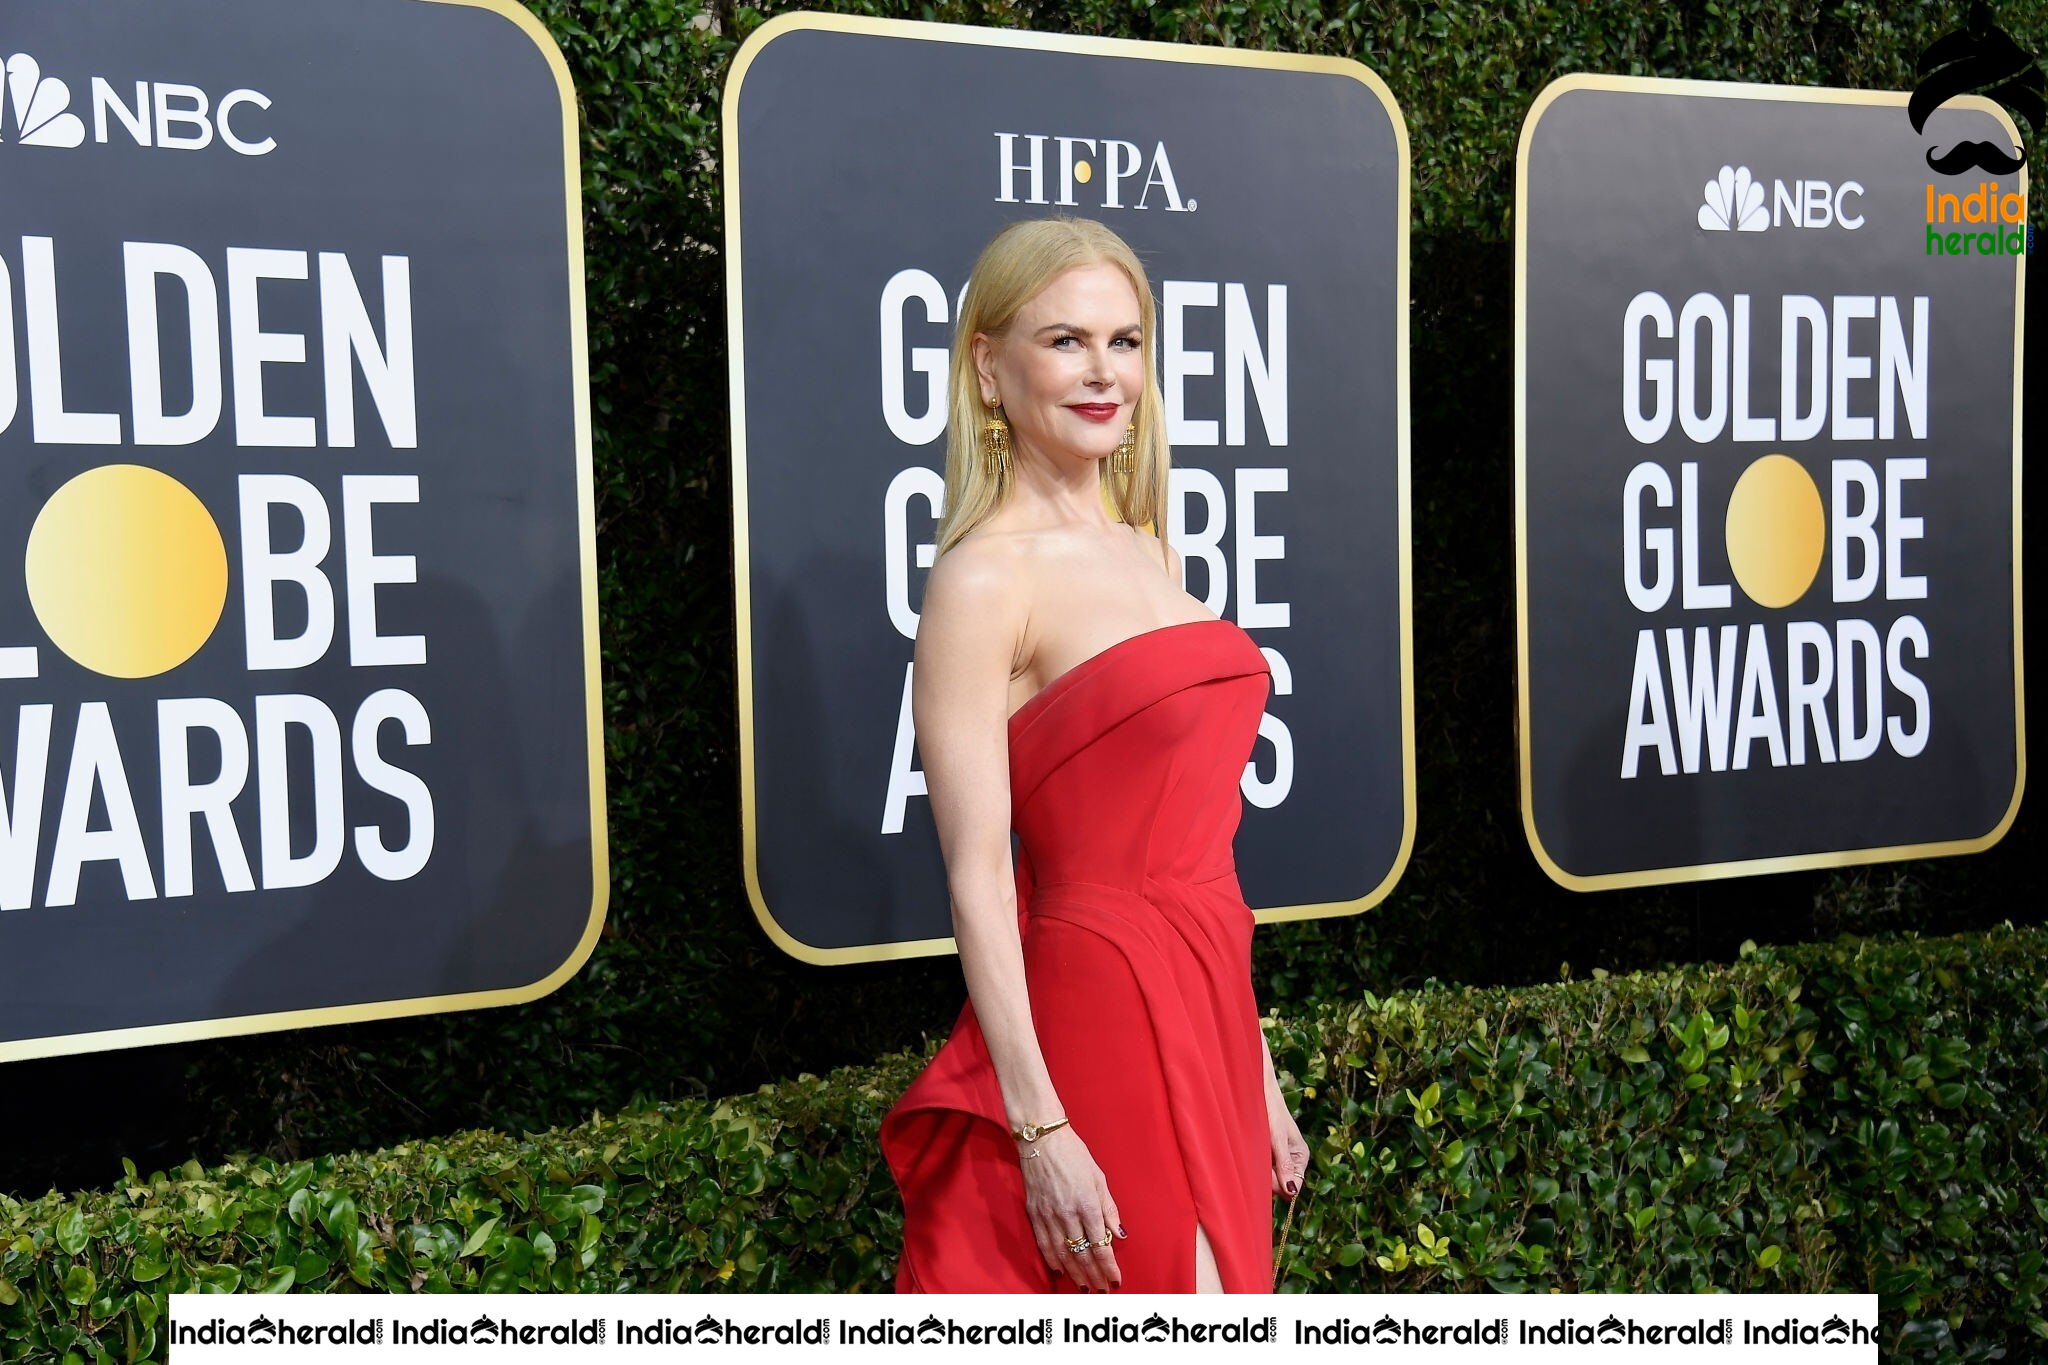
x,y
1768,454
867,163
297,635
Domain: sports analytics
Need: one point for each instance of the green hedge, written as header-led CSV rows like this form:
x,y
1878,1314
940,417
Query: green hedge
x,y
1840,1118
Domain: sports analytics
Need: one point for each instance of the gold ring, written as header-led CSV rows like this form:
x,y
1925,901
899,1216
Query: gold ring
x,y
1105,1239
1077,1246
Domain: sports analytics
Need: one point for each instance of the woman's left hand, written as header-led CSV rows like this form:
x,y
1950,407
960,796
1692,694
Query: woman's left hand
x,y
1290,1153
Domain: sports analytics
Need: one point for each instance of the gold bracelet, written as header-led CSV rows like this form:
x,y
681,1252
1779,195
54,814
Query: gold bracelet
x,y
1032,1132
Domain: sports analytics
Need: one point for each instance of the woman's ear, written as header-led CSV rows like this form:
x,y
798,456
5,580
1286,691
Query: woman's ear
x,y
983,349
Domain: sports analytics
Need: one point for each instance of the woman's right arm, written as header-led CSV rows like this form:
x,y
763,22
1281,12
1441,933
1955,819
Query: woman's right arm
x,y
972,619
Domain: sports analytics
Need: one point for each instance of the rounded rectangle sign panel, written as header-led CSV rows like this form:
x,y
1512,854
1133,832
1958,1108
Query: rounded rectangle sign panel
x,y
867,164
1767,474
298,651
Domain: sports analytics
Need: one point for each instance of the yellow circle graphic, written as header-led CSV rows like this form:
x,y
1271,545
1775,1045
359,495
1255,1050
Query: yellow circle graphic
x,y
1083,172
126,571
1777,531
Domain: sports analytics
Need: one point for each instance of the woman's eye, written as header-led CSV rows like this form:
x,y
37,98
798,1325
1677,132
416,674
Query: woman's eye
x,y
1128,343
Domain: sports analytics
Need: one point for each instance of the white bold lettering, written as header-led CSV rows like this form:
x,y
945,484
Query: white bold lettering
x,y
1695,595
1803,313
923,428
136,120
1746,428
1702,695
916,482
1845,367
1649,723
1202,546
1702,427
382,861
1265,367
96,765
1807,694
254,348
1651,308
21,808
1898,584
231,101
1907,630
146,263
192,115
54,425
1252,547
1858,729
274,716
183,799
1850,529
905,778
1645,478
347,336
366,569
263,566
1757,717
1182,363
1902,368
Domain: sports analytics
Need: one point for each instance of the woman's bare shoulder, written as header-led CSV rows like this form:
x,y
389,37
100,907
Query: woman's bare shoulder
x,y
976,585
1158,552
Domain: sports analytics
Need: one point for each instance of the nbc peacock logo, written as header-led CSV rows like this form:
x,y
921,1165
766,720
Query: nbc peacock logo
x,y
41,105
168,116
1734,201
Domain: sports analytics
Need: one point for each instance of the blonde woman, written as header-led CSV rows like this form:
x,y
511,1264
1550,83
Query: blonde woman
x,y
1105,1115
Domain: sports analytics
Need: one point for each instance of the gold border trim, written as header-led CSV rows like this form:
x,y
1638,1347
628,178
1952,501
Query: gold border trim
x,y
1790,862
736,343
600,853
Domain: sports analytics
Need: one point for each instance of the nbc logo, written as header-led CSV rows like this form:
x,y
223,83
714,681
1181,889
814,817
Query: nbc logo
x,y
42,116
162,114
1734,202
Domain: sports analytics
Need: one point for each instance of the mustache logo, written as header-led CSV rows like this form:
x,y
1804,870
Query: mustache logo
x,y
1966,154
1978,56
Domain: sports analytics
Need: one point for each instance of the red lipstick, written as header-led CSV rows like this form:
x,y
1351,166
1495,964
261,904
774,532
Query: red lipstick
x,y
1096,412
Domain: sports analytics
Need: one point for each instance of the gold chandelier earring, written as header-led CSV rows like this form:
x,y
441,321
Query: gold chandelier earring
x,y
1125,458
995,443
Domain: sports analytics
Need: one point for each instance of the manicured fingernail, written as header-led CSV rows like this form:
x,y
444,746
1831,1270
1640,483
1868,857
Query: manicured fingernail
x,y
1292,1186
1120,1231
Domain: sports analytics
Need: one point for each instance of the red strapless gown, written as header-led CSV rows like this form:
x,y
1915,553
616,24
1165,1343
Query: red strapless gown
x,y
1137,955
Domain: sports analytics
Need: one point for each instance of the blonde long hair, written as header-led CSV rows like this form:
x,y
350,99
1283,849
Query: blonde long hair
x,y
1014,268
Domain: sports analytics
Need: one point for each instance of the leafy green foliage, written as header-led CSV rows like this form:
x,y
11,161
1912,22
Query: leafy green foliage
x,y
779,1189
1852,1117
1858,1117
